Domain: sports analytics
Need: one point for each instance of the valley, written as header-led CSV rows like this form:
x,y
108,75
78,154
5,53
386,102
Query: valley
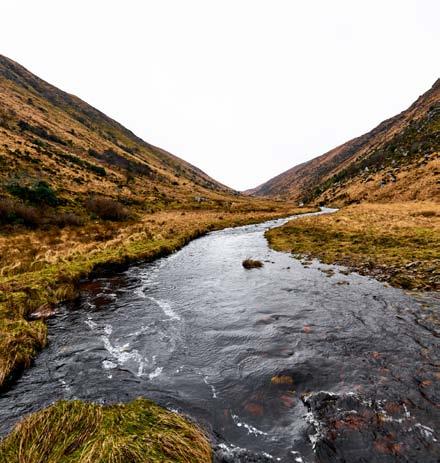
x,y
149,313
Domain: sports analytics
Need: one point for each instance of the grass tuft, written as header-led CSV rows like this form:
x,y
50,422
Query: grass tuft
x,y
74,431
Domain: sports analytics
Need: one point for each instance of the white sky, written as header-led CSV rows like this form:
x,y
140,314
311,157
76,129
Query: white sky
x,y
243,89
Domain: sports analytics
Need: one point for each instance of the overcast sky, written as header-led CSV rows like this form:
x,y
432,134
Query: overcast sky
x,y
243,89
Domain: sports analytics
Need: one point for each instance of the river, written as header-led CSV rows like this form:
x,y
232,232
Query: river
x,y
285,363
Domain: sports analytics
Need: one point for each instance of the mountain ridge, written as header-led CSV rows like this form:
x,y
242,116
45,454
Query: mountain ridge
x,y
301,182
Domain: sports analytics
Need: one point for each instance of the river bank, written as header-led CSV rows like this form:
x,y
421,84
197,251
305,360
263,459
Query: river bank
x,y
395,242
247,354
42,268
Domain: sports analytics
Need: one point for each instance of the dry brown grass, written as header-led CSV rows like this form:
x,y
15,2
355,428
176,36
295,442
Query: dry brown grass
x,y
398,242
137,432
413,183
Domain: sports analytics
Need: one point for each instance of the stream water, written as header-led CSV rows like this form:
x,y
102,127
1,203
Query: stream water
x,y
284,363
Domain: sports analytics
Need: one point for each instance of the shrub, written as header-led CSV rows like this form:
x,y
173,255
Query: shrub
x,y
98,170
249,264
112,158
68,219
93,152
429,213
40,132
13,212
6,118
39,193
107,209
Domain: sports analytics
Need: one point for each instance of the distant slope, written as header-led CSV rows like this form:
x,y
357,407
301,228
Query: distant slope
x,y
398,160
49,135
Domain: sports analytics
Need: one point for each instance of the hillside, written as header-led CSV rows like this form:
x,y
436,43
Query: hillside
x,y
398,160
51,136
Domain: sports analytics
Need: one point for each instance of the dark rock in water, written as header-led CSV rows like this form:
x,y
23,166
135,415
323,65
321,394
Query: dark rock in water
x,y
348,428
250,263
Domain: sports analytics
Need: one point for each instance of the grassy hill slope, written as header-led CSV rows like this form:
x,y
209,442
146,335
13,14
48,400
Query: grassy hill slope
x,y
398,160
47,134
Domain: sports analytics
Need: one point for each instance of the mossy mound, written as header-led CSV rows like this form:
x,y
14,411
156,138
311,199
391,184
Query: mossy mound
x,y
75,431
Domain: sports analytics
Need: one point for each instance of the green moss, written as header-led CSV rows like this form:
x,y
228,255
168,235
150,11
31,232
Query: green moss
x,y
40,192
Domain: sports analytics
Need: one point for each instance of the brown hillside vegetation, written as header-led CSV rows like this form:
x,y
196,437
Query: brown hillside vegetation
x,y
398,160
48,135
